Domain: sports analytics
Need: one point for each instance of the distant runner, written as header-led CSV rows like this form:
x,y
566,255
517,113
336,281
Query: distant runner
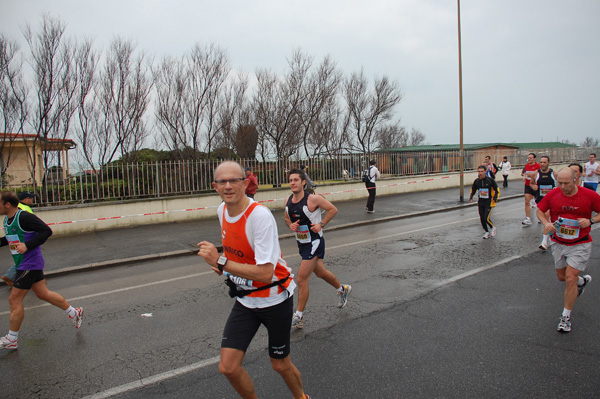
x,y
488,195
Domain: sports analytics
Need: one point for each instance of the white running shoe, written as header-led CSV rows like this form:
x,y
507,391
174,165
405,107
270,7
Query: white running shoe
x,y
344,293
486,235
533,203
564,325
78,319
526,222
493,232
6,343
580,288
297,321
543,246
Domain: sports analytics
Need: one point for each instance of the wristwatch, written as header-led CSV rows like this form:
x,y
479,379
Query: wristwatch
x,y
322,224
592,221
221,263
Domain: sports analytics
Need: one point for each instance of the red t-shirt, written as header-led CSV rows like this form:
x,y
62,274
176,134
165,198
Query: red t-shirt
x,y
253,185
530,168
570,209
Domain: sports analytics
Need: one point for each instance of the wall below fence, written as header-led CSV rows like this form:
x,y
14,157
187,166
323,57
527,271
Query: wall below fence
x,y
76,219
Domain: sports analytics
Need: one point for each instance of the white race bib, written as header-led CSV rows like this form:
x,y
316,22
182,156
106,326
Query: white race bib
x,y
302,234
13,241
545,190
568,230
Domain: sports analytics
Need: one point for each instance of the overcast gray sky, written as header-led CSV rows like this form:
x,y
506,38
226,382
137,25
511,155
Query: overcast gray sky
x,y
530,68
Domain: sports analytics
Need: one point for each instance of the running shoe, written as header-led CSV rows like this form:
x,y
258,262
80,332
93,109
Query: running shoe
x,y
580,288
565,324
493,233
297,321
6,343
370,211
486,235
526,222
344,293
533,203
7,281
543,246
78,319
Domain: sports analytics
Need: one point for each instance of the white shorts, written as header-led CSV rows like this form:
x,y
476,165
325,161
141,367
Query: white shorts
x,y
575,256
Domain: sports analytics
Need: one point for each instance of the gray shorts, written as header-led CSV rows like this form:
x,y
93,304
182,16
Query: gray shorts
x,y
575,256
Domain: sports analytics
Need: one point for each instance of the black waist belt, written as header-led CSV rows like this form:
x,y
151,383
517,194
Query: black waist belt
x,y
576,241
234,290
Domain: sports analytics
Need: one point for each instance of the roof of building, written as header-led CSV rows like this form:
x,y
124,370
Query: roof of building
x,y
69,143
456,147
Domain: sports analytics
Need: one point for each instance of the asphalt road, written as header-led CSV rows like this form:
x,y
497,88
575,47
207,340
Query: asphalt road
x,y
435,312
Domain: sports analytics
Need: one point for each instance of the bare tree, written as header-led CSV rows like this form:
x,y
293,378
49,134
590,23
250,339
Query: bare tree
x,y
89,129
246,141
14,110
189,96
391,136
52,61
590,142
123,96
235,118
416,137
275,104
318,89
328,134
367,110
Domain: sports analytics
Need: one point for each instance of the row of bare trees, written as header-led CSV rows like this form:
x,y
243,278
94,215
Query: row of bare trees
x,y
112,103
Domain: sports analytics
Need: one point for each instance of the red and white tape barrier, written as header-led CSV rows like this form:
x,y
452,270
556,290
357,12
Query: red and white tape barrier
x,y
209,207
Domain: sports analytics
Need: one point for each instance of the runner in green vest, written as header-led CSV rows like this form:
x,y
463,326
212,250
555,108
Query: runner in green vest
x,y
24,233
25,202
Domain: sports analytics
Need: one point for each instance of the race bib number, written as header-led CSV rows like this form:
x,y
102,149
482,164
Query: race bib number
x,y
13,241
568,230
302,234
545,190
241,282
484,193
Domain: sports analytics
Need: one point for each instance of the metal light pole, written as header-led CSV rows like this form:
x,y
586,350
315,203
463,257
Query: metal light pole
x,y
462,153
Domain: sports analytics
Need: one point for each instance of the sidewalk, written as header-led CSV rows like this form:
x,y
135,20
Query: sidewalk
x,y
144,243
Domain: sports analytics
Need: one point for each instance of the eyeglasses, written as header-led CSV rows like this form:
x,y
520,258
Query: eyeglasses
x,y
230,181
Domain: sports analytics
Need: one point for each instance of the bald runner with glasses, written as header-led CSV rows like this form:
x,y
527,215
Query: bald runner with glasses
x,y
258,278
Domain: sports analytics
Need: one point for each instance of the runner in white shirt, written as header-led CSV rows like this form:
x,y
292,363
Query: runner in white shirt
x,y
591,174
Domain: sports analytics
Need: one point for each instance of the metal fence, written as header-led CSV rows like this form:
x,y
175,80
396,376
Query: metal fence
x,y
163,179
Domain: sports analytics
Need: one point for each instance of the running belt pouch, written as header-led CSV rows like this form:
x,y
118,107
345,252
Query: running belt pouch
x,y
235,291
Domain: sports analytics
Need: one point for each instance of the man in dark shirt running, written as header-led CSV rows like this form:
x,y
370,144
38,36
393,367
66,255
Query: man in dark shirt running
x,y
24,233
303,217
488,195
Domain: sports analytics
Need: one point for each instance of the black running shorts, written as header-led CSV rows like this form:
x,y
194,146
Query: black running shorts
x,y
529,190
27,278
243,323
312,249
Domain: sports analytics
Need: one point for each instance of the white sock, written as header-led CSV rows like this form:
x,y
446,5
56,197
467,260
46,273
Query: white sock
x,y
566,312
71,312
580,281
299,313
545,238
13,335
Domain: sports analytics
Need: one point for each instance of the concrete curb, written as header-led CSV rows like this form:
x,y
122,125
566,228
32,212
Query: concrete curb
x,y
192,251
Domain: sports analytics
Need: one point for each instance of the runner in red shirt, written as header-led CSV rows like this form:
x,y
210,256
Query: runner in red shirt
x,y
529,172
571,209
